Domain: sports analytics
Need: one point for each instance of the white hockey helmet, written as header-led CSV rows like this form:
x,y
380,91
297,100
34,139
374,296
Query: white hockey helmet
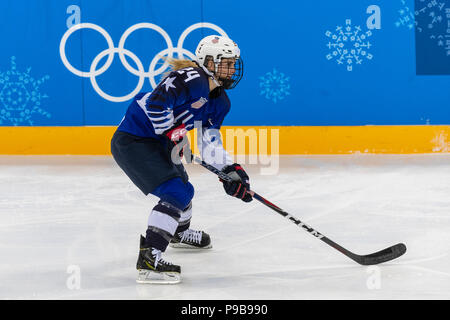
x,y
219,47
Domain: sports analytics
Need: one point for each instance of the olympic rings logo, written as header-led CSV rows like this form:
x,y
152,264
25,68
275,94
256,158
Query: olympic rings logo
x,y
112,50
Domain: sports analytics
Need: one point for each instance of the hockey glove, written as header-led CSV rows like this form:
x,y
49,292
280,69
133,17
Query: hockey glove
x,y
176,133
176,136
240,185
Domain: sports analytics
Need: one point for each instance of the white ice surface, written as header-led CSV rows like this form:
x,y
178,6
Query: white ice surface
x,y
63,211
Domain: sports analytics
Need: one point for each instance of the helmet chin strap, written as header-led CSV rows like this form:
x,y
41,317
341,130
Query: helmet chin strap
x,y
213,77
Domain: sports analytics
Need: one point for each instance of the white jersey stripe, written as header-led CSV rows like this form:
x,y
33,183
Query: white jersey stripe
x,y
187,119
169,116
164,124
180,115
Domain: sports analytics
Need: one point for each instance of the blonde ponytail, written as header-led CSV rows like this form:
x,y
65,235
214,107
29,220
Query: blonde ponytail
x,y
177,64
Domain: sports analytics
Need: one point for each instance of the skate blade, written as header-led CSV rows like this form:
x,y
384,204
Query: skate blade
x,y
188,246
153,277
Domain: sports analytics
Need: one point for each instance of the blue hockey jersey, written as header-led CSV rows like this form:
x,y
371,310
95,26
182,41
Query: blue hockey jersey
x,y
183,96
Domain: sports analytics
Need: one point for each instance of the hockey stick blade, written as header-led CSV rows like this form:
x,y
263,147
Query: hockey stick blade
x,y
385,255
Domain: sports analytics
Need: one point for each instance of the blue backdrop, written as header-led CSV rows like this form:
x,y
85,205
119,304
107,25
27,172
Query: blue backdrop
x,y
323,62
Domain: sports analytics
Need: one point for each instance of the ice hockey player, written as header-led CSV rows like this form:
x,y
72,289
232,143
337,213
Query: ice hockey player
x,y
148,145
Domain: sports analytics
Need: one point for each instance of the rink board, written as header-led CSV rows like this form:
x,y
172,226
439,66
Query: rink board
x,y
285,140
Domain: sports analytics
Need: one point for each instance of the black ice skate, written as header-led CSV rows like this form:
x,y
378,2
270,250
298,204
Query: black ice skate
x,y
191,239
153,269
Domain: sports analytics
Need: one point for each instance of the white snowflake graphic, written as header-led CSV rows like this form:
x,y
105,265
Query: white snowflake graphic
x,y
274,85
19,96
433,18
433,12
406,17
349,45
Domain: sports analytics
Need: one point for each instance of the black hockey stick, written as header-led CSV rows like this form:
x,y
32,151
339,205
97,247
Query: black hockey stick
x,y
387,254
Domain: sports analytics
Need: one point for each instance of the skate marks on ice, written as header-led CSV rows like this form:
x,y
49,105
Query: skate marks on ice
x,y
83,211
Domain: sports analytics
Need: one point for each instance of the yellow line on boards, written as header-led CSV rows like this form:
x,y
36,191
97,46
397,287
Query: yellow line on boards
x,y
95,140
